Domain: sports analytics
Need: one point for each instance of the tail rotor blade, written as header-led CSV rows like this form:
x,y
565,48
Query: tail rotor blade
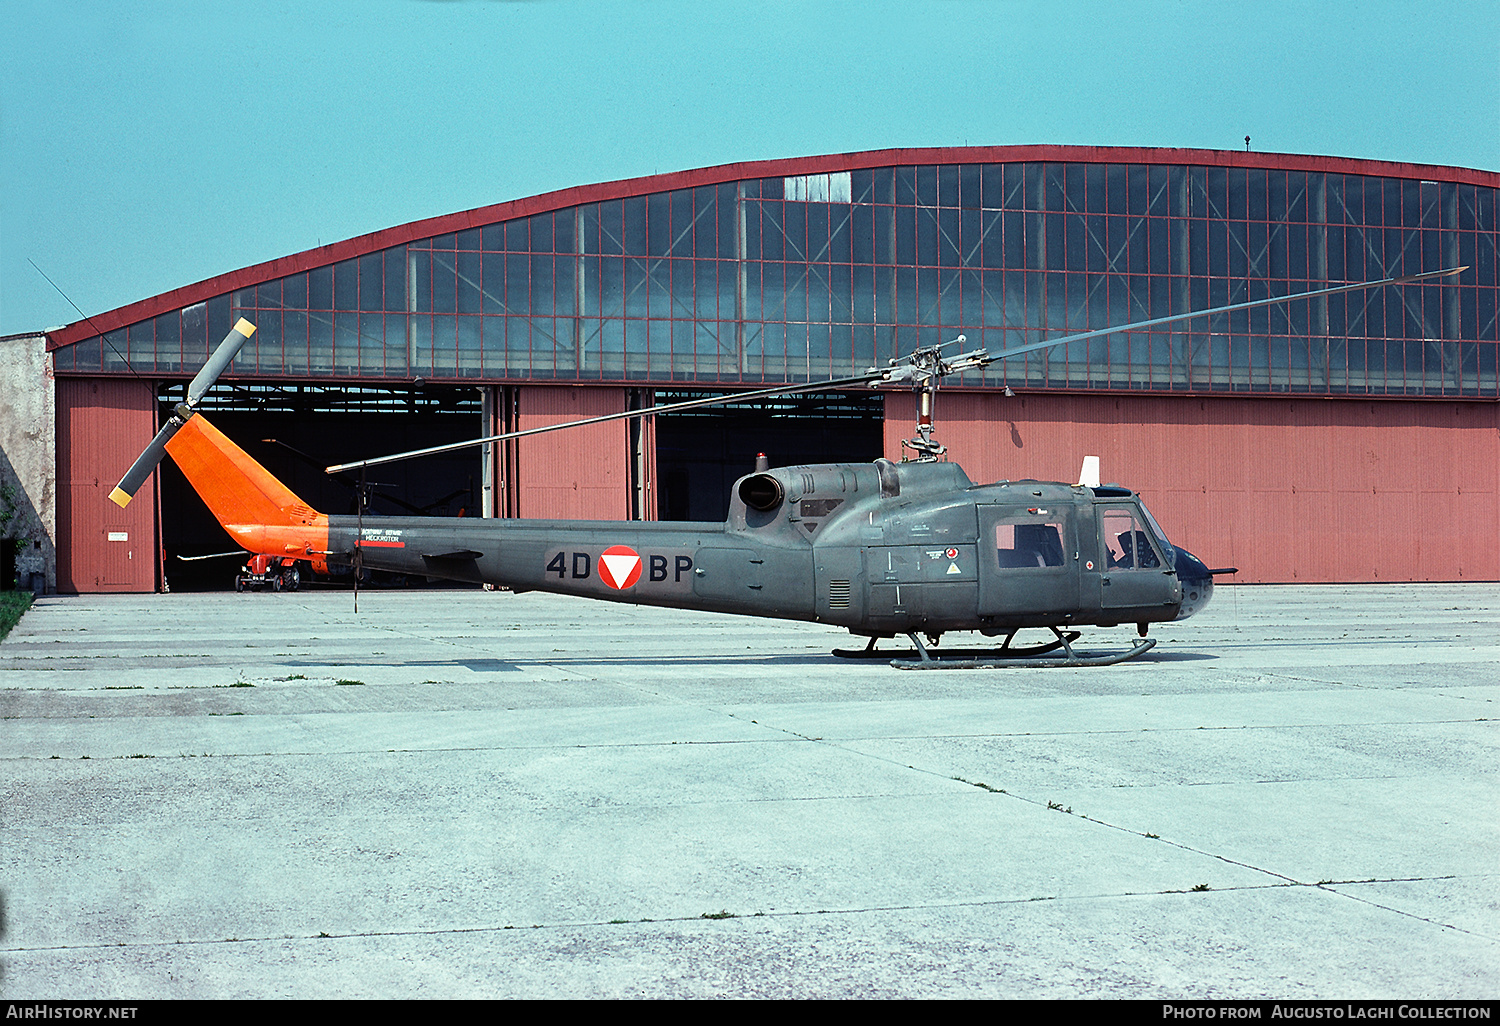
x,y
143,465
146,462
222,358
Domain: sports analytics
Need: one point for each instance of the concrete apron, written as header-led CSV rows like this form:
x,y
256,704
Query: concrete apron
x,y
469,794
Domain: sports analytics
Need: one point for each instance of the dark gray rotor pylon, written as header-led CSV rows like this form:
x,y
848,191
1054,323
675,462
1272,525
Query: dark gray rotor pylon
x,y
146,462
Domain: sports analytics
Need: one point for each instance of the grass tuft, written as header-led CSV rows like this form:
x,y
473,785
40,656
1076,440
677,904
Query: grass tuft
x,y
13,605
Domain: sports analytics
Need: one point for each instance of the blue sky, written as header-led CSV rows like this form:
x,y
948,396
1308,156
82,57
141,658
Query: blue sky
x,y
145,146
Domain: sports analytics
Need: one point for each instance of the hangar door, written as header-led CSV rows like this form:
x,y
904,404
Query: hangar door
x,y
102,425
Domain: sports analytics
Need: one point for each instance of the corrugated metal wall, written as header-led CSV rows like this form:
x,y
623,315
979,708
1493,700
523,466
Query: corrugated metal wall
x,y
582,474
1288,490
102,425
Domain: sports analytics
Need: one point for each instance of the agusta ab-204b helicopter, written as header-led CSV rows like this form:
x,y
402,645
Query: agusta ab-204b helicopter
x,y
882,549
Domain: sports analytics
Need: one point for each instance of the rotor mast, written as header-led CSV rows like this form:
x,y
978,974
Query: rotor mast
x,y
925,369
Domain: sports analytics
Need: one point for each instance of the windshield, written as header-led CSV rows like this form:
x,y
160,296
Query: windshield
x,y
1161,536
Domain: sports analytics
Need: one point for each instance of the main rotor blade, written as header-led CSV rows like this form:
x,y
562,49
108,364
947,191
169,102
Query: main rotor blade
x,y
765,393
144,464
221,358
878,375
1006,354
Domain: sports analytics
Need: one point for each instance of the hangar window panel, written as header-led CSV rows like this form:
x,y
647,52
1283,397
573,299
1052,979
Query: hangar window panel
x,y
565,286
1382,202
862,187
320,288
612,228
518,236
725,214
270,359
991,186
543,300
492,283
794,300
819,349
948,179
492,350
927,186
320,342
968,193
1164,184
540,228
905,186
371,282
1236,193
862,234
137,344
1485,259
168,330
372,344
819,231
840,234
937,239
885,295
1403,203
345,342
396,289
794,230
1133,242
1485,307
984,238
195,345
443,285
469,361
293,292
772,236
839,286
1095,196
394,353
1238,249
444,329
905,234
1288,253
346,285
1049,188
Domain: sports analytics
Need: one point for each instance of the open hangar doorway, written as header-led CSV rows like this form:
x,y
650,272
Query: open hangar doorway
x,y
701,453
294,431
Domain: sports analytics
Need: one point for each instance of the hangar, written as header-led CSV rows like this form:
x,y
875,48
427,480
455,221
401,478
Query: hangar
x,y
1349,438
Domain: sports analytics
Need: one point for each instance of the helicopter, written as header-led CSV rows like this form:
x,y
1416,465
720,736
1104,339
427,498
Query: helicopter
x,y
911,548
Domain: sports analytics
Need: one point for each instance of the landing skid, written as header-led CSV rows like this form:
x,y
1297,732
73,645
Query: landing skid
x,y
1005,655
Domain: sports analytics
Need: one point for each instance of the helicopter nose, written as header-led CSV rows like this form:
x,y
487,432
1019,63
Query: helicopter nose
x,y
1197,583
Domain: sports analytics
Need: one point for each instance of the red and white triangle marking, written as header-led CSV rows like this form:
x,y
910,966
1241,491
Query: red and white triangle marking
x,y
620,566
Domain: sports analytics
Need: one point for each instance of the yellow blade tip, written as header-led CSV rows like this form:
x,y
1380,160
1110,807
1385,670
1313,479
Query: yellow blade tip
x,y
120,497
244,327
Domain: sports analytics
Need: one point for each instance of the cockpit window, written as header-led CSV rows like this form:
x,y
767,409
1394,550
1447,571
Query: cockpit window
x,y
1161,536
1127,545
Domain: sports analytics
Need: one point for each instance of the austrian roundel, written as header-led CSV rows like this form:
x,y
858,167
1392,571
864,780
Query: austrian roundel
x,y
620,566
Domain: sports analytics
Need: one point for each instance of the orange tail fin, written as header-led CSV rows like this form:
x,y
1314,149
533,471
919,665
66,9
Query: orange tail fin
x,y
258,511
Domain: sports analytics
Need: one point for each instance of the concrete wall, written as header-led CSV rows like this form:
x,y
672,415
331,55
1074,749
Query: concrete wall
x,y
28,458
